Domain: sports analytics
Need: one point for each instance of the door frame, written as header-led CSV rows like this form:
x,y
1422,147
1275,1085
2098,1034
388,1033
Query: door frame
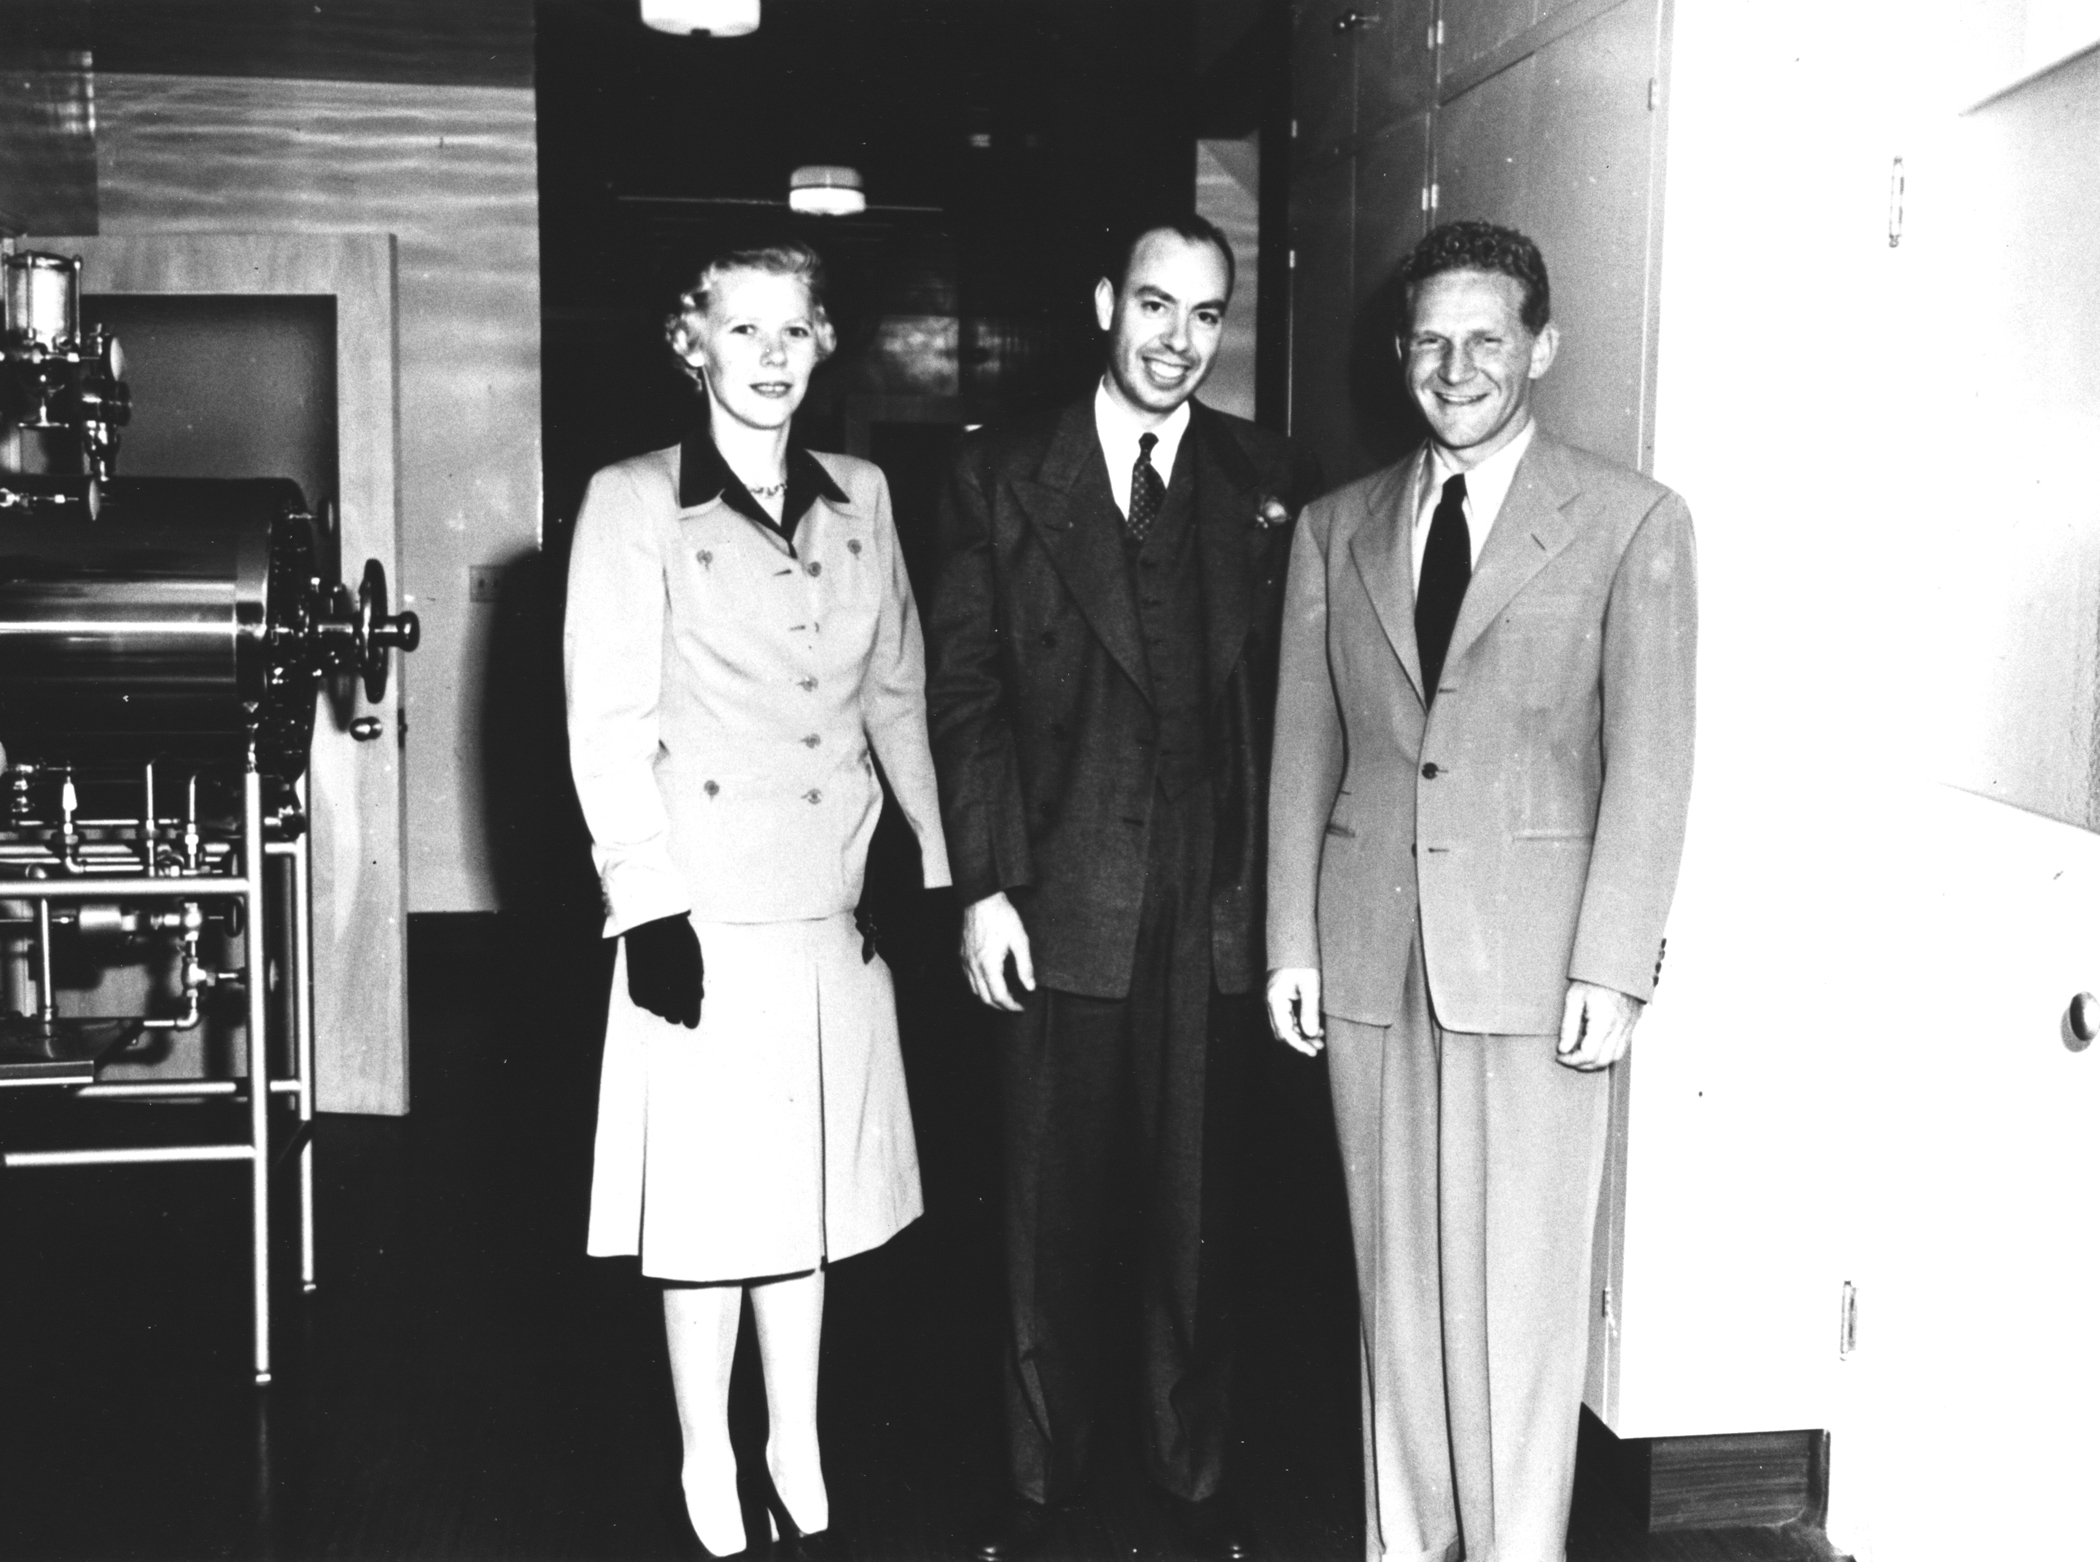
x,y
359,841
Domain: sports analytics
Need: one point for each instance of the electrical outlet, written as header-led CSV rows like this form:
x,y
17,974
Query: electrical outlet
x,y
484,582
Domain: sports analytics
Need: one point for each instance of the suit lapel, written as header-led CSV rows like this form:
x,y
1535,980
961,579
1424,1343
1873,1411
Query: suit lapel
x,y
1384,556
1068,502
1226,538
1535,524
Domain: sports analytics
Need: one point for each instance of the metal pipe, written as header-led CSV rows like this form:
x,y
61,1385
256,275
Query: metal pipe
x,y
159,1089
92,852
150,834
186,1020
112,888
258,1054
300,938
46,998
138,1155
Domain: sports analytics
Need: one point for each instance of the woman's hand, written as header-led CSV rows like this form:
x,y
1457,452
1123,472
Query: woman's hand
x,y
665,974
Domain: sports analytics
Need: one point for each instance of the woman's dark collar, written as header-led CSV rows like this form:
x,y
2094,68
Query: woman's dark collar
x,y
704,476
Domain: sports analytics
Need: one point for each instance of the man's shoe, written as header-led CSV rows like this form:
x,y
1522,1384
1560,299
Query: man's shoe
x,y
1009,1529
1211,1529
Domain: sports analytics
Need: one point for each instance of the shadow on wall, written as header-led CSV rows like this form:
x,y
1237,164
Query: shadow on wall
x,y
538,849
1388,424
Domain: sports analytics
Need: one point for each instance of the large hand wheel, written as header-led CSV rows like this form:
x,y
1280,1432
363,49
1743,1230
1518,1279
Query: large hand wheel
x,y
378,634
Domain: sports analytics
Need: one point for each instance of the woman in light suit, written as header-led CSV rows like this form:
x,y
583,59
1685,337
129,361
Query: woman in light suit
x,y
740,649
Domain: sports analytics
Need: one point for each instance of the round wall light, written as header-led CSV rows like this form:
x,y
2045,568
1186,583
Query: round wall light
x,y
824,190
710,18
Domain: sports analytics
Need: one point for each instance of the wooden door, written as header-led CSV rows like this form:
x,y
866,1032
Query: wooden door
x,y
1323,313
1391,196
1323,76
360,928
1966,1427
1395,64
1562,143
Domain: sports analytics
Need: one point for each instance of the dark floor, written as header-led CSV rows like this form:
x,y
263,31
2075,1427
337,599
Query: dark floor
x,y
466,1384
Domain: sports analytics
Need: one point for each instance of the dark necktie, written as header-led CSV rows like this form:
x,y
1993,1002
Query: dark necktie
x,y
1447,567
1147,492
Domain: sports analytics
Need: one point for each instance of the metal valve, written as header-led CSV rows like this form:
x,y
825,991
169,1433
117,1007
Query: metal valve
x,y
356,635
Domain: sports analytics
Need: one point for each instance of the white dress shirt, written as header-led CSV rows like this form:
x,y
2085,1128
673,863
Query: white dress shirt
x,y
1487,485
1118,428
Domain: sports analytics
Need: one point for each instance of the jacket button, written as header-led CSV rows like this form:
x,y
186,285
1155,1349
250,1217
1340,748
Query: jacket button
x,y
1429,772
815,568
811,741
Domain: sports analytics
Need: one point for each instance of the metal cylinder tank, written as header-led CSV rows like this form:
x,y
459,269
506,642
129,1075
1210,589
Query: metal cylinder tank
x,y
178,622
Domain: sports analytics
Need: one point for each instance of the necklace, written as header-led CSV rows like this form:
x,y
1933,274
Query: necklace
x,y
767,491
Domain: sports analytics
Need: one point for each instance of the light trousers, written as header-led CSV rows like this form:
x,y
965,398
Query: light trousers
x,y
1473,1164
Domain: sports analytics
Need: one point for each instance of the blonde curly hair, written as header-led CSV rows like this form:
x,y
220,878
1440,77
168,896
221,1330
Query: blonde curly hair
x,y
682,325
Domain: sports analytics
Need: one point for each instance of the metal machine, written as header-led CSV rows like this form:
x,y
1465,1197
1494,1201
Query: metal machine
x,y
163,646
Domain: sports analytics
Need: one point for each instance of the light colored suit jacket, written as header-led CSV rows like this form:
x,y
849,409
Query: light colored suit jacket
x,y
725,692
1534,816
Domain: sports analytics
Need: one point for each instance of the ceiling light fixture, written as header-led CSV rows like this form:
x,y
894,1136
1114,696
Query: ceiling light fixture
x,y
825,190
707,18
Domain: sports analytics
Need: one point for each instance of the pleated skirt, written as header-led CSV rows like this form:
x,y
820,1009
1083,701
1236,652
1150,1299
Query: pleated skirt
x,y
776,1137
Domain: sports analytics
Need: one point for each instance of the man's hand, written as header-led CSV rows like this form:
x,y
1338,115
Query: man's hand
x,y
992,930
1294,1009
1596,1026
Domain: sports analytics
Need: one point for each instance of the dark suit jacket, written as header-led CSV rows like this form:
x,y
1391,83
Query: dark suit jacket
x,y
1039,700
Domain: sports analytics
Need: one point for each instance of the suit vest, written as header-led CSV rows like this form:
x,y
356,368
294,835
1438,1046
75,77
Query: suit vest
x,y
1166,584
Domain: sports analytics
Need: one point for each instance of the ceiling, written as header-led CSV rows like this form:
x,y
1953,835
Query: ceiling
x,y
490,42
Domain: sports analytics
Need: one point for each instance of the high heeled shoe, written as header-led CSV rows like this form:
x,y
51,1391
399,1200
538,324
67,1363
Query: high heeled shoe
x,y
824,1545
691,1548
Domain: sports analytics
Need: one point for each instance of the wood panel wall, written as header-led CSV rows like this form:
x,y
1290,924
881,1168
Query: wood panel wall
x,y
451,171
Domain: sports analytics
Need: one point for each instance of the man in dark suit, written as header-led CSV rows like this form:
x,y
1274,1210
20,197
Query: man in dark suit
x,y
1100,692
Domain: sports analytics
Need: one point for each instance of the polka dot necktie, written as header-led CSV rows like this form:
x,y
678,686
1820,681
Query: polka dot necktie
x,y
1447,569
1147,492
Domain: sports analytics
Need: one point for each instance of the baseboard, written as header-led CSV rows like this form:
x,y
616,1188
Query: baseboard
x,y
1721,1482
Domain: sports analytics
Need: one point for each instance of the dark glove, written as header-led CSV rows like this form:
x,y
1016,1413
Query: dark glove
x,y
664,970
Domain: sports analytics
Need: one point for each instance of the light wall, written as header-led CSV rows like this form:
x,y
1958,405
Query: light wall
x,y
452,172
1228,183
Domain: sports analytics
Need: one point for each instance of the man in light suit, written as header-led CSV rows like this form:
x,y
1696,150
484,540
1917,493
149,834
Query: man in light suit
x,y
1483,756
1101,678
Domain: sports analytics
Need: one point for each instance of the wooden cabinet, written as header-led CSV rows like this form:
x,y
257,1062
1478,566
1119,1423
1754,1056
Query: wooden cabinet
x,y
1323,290
1562,145
1391,196
1474,29
1395,63
1323,76
1365,77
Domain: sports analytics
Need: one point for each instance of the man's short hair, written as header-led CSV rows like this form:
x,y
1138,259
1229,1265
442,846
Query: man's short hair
x,y
1183,225
1477,246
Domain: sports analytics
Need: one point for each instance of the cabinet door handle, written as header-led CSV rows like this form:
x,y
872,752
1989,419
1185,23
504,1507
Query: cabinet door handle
x,y
2081,1022
1353,20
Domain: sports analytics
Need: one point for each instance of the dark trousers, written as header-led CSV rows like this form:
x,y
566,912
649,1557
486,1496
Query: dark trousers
x,y
1149,1084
